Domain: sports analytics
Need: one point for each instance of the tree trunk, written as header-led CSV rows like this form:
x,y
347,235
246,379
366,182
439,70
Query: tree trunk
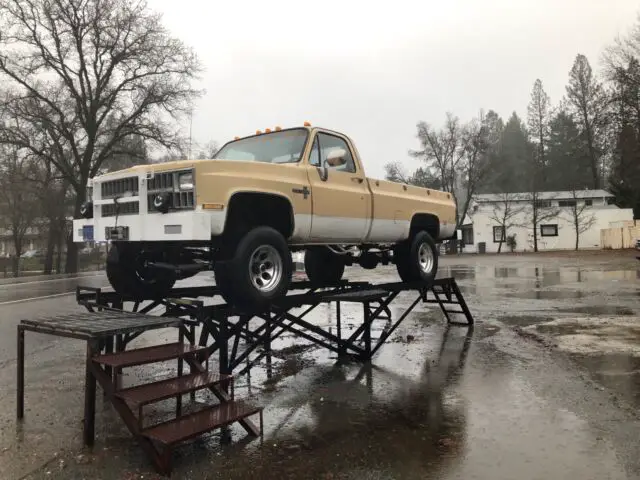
x,y
51,245
500,246
71,265
60,244
577,236
17,245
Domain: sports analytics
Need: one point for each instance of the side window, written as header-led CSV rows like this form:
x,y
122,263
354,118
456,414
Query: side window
x,y
314,156
329,143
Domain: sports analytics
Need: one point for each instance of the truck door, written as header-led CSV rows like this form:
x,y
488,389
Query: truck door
x,y
341,200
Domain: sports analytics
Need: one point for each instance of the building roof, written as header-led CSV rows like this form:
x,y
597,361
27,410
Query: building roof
x,y
560,195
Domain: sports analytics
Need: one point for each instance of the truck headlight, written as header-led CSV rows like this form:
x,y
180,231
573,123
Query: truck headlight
x,y
185,181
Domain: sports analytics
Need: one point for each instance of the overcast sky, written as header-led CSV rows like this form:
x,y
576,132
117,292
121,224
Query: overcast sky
x,y
374,69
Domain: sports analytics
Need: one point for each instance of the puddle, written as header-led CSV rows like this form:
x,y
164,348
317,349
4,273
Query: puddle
x,y
620,373
524,320
592,335
598,310
550,294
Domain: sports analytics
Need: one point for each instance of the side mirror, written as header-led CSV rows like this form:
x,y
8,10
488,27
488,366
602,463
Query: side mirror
x,y
336,157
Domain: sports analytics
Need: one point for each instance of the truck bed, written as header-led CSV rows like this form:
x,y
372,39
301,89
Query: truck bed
x,y
395,203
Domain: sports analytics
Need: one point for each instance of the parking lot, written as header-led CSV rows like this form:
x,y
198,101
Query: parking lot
x,y
547,385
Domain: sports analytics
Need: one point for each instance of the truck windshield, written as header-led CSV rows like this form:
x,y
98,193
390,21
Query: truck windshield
x,y
285,146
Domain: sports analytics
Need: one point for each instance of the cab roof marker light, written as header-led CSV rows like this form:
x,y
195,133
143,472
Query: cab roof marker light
x,y
307,124
236,138
278,128
258,132
267,130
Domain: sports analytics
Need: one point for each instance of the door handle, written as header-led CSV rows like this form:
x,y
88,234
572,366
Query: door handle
x,y
357,179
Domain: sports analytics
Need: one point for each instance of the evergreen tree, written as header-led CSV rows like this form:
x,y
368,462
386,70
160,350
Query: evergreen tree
x,y
588,104
568,162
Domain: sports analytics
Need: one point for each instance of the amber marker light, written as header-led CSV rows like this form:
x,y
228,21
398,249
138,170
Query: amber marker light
x,y
258,132
236,138
267,130
307,124
278,128
212,206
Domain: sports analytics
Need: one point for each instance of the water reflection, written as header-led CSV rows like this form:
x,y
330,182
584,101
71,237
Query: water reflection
x,y
367,415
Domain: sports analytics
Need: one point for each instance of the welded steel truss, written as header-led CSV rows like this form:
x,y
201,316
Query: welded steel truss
x,y
245,337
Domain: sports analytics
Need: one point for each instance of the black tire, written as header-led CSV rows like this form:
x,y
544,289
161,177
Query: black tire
x,y
413,262
239,285
322,266
128,276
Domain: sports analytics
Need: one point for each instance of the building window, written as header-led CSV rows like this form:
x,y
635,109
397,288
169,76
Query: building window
x,y
567,203
498,234
543,203
467,235
588,202
550,230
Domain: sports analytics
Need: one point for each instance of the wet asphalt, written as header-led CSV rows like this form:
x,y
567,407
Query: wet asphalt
x,y
546,385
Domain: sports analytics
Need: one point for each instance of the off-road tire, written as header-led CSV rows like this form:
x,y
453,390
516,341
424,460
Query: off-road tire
x,y
408,259
129,278
234,276
322,266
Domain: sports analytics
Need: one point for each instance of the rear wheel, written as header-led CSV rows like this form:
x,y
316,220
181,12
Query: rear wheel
x,y
322,266
259,270
129,275
417,258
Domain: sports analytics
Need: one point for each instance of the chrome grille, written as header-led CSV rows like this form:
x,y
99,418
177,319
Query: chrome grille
x,y
117,188
168,182
125,208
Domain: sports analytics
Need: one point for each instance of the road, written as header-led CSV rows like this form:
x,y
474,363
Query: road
x,y
14,290
437,403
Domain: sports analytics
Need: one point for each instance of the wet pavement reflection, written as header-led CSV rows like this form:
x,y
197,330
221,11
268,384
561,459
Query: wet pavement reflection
x,y
25,288
437,402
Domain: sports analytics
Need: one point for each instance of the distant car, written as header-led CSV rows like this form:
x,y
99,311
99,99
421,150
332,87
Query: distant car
x,y
638,244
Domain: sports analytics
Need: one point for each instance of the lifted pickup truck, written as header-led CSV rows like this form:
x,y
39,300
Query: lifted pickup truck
x,y
242,213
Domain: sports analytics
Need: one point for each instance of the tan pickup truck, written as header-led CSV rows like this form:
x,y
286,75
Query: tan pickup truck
x,y
242,213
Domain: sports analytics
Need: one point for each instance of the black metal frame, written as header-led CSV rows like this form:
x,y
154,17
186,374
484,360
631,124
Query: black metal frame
x,y
228,325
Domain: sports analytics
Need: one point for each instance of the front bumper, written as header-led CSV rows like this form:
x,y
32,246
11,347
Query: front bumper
x,y
175,226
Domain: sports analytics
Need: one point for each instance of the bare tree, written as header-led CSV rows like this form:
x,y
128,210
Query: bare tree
x,y
457,155
476,163
52,194
442,150
580,215
421,177
18,202
209,150
86,75
541,210
506,212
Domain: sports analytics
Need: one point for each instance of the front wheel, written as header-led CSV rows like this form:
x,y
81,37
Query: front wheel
x,y
129,275
258,272
417,258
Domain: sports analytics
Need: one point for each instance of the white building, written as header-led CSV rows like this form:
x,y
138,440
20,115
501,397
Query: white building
x,y
493,217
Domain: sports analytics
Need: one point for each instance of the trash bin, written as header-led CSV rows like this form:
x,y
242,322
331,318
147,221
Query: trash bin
x,y
482,247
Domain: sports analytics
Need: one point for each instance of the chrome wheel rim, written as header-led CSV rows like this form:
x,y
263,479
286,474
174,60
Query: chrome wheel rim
x,y
425,258
265,268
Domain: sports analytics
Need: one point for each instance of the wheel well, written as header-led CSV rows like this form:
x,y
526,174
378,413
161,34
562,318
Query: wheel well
x,y
247,209
427,222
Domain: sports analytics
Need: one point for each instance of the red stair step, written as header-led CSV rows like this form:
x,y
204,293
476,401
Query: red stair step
x,y
163,389
199,423
141,356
